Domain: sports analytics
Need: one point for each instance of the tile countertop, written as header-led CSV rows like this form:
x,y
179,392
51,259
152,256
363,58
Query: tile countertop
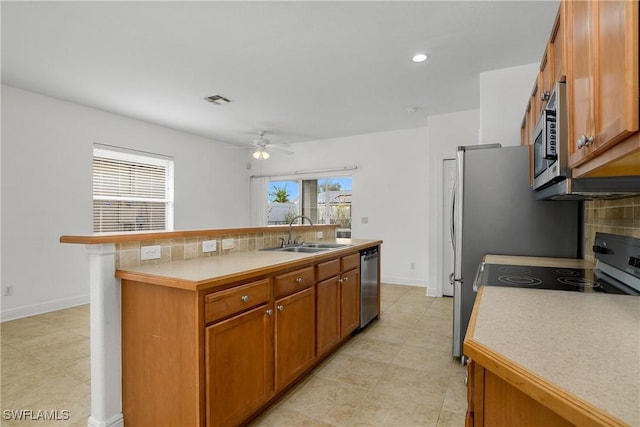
x,y
200,273
585,347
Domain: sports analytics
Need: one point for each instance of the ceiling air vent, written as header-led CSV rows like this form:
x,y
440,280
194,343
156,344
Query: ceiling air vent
x,y
218,99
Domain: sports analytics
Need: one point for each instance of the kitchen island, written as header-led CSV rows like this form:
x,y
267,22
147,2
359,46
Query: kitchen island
x,y
212,341
546,357
187,296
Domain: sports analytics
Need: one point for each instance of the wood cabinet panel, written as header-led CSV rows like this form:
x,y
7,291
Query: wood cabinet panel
x,y
327,269
158,336
505,405
226,303
286,284
239,367
350,302
350,262
558,45
327,315
294,336
603,86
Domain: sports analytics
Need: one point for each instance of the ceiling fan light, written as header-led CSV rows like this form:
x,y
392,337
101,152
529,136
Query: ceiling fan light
x,y
260,154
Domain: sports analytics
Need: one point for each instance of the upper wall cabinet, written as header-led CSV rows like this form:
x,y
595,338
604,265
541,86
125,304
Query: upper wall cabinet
x,y
602,87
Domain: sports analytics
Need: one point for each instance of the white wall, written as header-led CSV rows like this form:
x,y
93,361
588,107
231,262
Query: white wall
x,y
446,133
503,99
389,188
46,191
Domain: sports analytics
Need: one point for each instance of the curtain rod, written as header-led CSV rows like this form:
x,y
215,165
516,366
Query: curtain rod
x,y
345,168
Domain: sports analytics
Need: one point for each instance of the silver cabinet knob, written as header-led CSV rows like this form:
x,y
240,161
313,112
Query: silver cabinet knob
x,y
545,95
584,141
339,280
280,308
346,278
245,298
299,280
269,312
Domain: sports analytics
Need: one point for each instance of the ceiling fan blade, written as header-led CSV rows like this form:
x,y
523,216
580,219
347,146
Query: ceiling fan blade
x,y
283,150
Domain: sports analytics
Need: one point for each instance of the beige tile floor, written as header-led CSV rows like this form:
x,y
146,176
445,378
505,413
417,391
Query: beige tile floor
x,y
397,372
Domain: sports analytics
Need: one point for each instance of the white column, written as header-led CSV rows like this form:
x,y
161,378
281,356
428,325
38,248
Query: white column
x,y
106,345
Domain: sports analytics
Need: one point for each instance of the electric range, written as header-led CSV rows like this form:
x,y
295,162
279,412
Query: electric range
x,y
617,271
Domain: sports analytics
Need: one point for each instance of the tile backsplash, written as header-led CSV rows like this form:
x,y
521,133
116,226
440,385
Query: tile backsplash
x,y
620,216
179,249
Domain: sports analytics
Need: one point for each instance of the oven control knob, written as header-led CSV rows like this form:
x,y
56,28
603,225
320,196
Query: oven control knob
x,y
634,262
600,249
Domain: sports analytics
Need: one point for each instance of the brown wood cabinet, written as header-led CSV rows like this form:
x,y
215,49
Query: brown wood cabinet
x,y
492,401
295,342
602,85
239,366
349,302
216,357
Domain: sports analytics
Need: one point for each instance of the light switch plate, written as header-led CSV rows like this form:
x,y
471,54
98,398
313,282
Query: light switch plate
x,y
150,252
209,246
227,244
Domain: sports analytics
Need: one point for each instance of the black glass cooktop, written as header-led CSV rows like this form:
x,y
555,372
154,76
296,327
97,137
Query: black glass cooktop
x,y
564,279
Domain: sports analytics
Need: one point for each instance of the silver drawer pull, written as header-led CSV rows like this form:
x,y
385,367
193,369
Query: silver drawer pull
x,y
245,298
269,312
299,280
339,280
346,279
280,308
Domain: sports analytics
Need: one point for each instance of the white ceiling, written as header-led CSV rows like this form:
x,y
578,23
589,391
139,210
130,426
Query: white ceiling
x,y
301,70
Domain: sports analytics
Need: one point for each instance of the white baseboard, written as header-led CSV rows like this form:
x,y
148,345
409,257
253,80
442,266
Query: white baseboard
x,y
404,281
46,307
115,421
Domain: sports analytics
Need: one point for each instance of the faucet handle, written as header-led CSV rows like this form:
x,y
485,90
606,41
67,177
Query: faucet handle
x,y
283,241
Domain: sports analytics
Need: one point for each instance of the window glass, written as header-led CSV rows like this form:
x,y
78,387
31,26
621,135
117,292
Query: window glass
x,y
131,192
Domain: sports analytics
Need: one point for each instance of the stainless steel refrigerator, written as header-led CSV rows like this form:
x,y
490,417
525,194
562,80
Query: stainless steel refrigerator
x,y
495,212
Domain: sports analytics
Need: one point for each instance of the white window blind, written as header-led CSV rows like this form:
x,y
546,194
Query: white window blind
x,y
131,191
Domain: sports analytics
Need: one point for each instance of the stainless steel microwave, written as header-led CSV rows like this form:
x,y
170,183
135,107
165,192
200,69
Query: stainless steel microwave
x,y
550,141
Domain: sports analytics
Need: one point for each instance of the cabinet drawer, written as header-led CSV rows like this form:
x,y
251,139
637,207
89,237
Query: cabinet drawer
x,y
225,303
295,281
328,269
350,262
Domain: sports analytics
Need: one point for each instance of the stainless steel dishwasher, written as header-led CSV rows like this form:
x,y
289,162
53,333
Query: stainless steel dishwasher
x,y
368,285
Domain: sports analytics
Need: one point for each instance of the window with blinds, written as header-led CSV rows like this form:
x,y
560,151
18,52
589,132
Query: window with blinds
x,y
131,191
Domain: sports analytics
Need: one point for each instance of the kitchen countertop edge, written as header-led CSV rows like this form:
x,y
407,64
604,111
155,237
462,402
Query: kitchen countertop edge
x,y
570,406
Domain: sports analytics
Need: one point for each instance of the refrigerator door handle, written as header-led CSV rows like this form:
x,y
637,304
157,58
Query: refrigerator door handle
x,y
452,227
451,278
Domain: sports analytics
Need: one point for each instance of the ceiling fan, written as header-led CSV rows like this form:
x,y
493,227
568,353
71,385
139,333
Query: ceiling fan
x,y
262,146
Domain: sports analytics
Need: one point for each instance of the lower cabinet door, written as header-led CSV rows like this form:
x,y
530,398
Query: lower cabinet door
x,y
295,336
350,302
239,366
327,314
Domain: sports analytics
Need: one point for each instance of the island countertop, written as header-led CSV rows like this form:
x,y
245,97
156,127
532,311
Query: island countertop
x,y
577,353
201,273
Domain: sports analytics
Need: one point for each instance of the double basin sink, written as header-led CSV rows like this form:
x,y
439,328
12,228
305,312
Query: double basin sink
x,y
309,247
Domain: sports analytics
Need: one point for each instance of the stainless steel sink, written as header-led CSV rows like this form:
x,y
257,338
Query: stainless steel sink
x,y
309,247
300,249
324,245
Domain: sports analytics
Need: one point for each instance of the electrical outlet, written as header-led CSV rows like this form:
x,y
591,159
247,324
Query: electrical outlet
x,y
365,220
209,246
413,265
8,291
319,234
227,244
150,252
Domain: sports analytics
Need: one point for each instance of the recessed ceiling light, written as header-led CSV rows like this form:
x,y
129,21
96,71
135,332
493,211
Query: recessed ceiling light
x,y
421,57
